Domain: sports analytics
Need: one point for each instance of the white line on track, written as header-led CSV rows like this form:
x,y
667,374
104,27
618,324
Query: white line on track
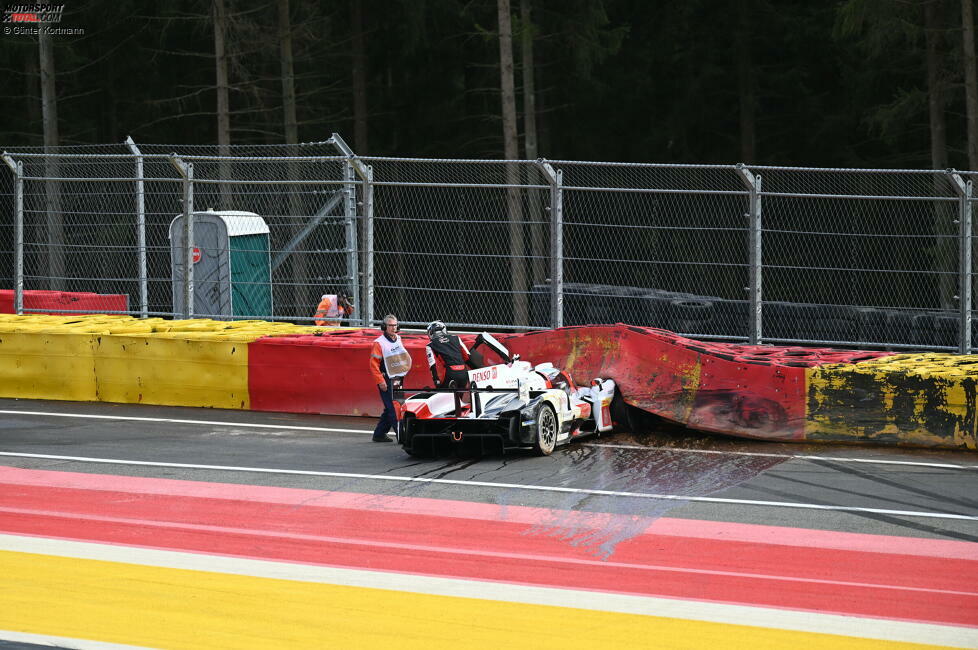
x,y
251,425
248,425
62,641
830,459
768,617
510,486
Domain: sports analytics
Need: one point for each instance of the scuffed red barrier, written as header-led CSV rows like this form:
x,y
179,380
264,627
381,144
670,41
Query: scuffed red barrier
x,y
323,374
64,302
744,390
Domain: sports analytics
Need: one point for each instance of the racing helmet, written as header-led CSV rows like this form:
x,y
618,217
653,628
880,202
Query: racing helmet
x,y
435,328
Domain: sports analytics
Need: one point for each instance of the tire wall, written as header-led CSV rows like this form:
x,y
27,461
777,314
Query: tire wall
x,y
47,365
325,374
65,302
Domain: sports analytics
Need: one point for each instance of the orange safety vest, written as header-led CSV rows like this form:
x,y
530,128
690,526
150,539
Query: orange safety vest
x,y
329,312
396,359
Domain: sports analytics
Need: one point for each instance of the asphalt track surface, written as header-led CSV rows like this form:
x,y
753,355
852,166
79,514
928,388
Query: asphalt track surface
x,y
624,485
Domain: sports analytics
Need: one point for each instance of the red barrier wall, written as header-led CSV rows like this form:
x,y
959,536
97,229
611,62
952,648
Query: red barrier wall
x,y
323,374
752,391
79,302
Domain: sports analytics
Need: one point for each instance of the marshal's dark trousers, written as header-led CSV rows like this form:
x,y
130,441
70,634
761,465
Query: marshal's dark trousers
x,y
388,420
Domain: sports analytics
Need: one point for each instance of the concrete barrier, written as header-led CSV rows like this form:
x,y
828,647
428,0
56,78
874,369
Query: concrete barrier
x,y
767,392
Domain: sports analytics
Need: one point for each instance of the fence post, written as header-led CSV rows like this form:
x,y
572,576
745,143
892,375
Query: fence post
x,y
755,226
18,169
350,216
187,172
351,168
964,191
140,228
368,215
556,178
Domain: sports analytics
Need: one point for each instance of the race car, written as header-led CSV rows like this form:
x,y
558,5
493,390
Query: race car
x,y
508,405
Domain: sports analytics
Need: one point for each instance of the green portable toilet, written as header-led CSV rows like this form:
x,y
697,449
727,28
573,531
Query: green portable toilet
x,y
232,265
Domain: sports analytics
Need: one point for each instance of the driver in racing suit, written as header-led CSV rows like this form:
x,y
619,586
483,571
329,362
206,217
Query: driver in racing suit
x,y
453,354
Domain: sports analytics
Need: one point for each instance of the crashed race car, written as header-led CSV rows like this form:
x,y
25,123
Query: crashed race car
x,y
510,405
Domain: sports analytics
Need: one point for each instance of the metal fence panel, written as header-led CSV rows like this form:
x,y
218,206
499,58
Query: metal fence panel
x,y
460,242
658,245
81,216
860,255
780,254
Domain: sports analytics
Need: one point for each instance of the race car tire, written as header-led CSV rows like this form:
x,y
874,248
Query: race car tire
x,y
404,427
414,453
546,428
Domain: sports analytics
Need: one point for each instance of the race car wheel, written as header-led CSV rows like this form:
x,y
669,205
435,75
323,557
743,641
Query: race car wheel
x,y
417,453
546,429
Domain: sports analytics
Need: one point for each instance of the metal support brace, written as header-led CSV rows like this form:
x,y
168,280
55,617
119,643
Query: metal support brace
x,y
353,167
140,229
186,170
755,227
368,215
964,190
321,214
556,180
18,169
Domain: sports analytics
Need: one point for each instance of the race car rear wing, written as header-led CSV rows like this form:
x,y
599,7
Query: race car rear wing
x,y
475,394
490,342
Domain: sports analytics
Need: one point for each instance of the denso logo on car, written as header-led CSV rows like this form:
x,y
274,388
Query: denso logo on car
x,y
484,374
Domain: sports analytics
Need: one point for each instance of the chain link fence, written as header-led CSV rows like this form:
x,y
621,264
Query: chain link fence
x,y
773,254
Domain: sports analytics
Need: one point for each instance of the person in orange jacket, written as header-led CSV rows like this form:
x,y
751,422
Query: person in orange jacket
x,y
333,309
389,363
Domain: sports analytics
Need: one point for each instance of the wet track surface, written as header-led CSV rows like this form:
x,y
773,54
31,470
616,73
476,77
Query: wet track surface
x,y
667,472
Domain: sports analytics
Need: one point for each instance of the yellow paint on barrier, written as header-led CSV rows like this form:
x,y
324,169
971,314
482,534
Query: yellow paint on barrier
x,y
117,358
172,371
178,608
121,324
47,366
689,378
912,399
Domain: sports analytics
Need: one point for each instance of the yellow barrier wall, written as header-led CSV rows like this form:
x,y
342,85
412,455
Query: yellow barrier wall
x,y
172,371
47,365
123,359
926,400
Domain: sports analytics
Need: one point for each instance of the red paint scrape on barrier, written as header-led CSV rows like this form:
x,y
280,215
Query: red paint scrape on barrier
x,y
66,303
755,391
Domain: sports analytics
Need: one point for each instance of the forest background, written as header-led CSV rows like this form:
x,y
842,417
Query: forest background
x,y
859,83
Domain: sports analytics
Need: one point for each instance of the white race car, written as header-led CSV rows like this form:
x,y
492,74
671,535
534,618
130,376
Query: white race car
x,y
508,405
